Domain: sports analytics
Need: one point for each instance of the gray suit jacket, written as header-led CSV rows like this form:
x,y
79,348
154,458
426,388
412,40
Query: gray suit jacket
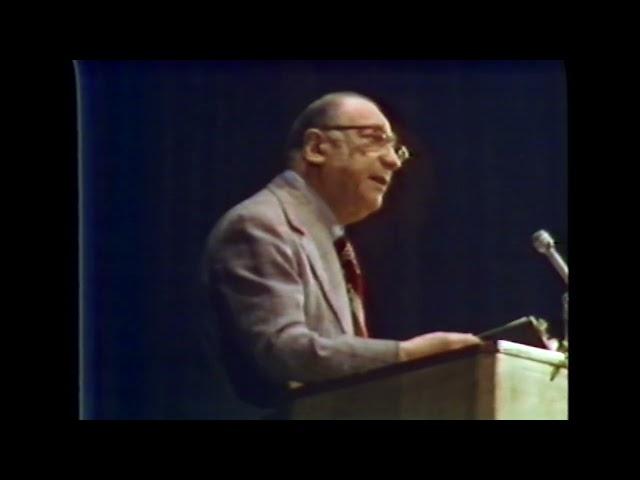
x,y
279,290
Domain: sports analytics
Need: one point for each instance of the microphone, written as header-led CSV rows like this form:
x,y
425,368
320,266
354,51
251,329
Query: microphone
x,y
544,243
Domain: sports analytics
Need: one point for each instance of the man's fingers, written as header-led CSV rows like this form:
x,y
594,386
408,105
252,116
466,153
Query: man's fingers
x,y
464,339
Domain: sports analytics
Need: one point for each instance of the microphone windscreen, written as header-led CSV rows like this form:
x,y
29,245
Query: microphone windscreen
x,y
542,241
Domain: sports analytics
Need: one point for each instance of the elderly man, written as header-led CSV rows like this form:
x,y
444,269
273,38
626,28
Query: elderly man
x,y
282,275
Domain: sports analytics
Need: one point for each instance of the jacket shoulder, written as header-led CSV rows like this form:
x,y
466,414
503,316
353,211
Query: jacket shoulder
x,y
261,211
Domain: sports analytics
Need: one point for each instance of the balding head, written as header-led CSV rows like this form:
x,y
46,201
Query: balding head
x,y
343,146
332,108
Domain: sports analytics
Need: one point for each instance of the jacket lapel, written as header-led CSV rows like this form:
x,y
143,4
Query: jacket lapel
x,y
317,243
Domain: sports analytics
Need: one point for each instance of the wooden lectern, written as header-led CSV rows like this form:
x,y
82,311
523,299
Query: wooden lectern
x,y
496,380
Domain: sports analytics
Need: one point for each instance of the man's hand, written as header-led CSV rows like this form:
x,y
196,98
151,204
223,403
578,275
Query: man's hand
x,y
436,342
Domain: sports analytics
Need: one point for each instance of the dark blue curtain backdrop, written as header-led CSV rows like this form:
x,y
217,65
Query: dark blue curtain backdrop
x,y
167,147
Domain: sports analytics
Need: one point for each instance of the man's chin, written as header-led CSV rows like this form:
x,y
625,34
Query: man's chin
x,y
367,204
378,200
373,205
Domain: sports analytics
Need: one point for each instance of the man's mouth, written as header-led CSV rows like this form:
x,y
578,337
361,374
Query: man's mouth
x,y
380,180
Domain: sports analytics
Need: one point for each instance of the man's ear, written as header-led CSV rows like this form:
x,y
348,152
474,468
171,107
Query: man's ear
x,y
315,146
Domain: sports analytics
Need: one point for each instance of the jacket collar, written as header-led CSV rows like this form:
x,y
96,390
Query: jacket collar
x,y
315,229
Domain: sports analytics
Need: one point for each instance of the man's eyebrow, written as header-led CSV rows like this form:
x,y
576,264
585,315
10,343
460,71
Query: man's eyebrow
x,y
380,129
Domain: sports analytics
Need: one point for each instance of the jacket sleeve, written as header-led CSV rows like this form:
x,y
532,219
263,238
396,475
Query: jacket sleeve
x,y
252,267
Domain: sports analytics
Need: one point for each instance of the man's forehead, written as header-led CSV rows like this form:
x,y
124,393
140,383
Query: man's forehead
x,y
356,111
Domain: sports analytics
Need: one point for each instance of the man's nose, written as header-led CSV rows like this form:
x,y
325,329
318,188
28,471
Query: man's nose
x,y
390,160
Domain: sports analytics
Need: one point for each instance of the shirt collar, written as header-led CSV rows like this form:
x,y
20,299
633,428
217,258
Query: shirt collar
x,y
326,213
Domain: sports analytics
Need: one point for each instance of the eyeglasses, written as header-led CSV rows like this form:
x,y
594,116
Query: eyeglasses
x,y
376,136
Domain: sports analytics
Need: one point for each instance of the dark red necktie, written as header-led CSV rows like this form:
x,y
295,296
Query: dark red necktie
x,y
355,284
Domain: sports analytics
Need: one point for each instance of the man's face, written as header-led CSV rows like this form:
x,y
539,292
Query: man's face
x,y
360,163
